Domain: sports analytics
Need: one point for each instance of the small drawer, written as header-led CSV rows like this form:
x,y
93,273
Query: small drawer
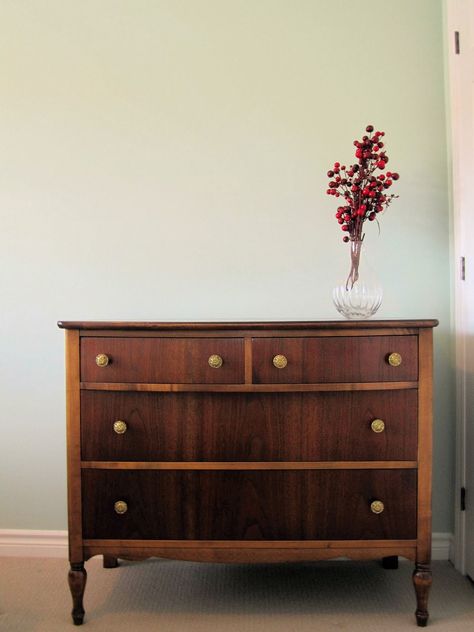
x,y
341,426
249,504
163,360
335,359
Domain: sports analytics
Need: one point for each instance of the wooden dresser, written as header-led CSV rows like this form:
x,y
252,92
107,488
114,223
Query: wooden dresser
x,y
249,442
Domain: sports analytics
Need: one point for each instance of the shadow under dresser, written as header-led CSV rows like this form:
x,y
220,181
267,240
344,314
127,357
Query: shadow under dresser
x,y
249,442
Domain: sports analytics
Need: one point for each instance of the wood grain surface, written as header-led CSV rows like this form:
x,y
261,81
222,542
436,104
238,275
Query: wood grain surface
x,y
249,427
249,505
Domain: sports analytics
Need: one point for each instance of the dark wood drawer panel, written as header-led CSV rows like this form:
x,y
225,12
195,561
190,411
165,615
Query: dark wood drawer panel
x,y
335,359
163,360
249,427
249,505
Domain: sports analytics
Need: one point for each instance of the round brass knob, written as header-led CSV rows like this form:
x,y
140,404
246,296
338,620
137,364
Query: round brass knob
x,y
121,507
120,427
102,359
377,506
378,425
215,361
394,359
280,361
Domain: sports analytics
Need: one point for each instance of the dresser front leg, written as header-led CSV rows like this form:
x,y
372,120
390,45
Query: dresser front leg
x,y
422,579
77,578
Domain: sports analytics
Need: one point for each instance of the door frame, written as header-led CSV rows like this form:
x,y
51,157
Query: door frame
x,y
455,12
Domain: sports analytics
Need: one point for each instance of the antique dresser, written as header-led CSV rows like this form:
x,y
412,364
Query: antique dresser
x,y
249,442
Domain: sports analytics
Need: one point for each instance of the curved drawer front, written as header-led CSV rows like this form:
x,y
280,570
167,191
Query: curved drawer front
x,y
249,505
335,359
163,360
249,427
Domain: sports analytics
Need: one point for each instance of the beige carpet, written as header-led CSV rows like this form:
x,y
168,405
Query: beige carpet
x,y
170,596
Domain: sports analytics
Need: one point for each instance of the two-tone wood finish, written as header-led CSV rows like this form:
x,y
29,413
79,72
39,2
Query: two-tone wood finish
x,y
249,442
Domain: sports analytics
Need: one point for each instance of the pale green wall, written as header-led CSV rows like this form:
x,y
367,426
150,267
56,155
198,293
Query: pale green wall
x,y
166,160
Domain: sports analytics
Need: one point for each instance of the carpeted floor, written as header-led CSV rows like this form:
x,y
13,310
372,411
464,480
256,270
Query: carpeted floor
x,y
171,596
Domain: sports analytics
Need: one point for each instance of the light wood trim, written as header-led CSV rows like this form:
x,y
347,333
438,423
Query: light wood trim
x,y
248,360
247,333
247,388
251,556
253,544
73,412
425,403
249,465
353,326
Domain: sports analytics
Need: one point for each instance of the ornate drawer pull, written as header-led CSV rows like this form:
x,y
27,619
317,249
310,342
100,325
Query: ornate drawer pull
x,y
377,506
102,360
121,507
120,427
378,425
394,359
215,361
280,361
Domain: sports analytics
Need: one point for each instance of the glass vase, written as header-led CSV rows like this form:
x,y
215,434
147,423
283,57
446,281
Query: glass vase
x,y
360,295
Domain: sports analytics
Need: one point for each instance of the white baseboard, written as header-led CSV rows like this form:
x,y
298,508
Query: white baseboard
x,y
442,546
28,543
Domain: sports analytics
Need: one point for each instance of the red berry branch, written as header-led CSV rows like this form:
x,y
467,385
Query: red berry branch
x,y
364,191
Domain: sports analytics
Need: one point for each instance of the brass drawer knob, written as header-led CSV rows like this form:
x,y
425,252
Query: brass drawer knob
x,y
120,427
121,507
102,360
378,425
394,359
215,361
377,506
280,361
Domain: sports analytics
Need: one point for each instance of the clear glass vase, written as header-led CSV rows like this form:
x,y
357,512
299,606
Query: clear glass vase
x,y
360,295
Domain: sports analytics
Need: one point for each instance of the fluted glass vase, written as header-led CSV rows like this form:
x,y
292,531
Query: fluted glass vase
x,y
360,295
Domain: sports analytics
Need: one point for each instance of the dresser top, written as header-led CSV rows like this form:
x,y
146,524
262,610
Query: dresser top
x,y
247,325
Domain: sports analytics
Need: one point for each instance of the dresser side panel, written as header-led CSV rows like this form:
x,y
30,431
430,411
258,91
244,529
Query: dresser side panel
x,y
425,449
73,420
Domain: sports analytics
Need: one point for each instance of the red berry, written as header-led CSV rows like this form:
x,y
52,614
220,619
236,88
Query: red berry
x,y
340,220
395,176
330,173
359,153
345,239
381,164
337,164
369,128
345,227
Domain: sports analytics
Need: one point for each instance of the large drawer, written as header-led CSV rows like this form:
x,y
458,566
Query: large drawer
x,y
335,359
163,360
249,505
249,427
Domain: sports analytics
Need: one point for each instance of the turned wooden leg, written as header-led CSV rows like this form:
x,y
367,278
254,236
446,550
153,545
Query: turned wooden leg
x,y
422,580
390,562
110,561
77,578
